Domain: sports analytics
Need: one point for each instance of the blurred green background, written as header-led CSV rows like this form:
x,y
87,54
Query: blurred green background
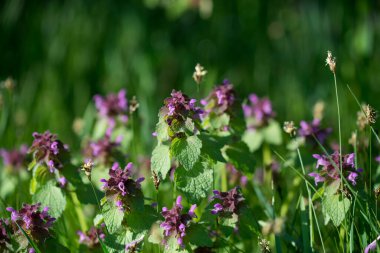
x,y
61,53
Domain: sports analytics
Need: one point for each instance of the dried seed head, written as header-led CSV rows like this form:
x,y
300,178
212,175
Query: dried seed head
x,y
377,192
366,116
330,60
87,168
318,110
353,139
264,245
78,125
199,73
156,180
8,83
370,114
290,128
133,105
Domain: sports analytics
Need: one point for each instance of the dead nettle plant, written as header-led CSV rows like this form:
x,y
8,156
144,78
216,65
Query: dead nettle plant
x,y
216,180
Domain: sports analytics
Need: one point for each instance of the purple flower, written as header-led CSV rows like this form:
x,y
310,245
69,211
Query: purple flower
x,y
113,106
372,245
258,112
4,238
35,223
330,171
229,202
14,158
317,178
102,148
309,130
48,149
90,238
175,223
179,107
120,184
220,99
62,182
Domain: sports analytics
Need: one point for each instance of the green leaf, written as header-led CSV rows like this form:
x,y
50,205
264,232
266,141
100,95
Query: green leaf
x,y
318,194
173,247
162,130
196,183
247,223
197,235
238,154
228,224
41,175
189,126
333,187
161,160
100,128
336,208
212,145
116,242
186,150
140,221
32,164
98,220
113,217
273,133
218,121
51,196
8,183
253,139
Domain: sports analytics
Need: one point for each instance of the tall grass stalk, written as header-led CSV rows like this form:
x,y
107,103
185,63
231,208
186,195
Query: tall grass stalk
x,y
309,200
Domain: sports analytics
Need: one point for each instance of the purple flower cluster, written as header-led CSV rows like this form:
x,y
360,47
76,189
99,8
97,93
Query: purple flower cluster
x,y
113,106
102,149
179,107
220,99
91,237
14,158
309,130
47,148
230,202
120,184
175,222
259,111
330,171
34,222
4,238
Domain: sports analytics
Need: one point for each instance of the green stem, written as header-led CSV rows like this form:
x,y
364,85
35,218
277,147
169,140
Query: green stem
x,y
79,212
224,179
370,163
340,139
34,246
96,196
309,200
339,129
